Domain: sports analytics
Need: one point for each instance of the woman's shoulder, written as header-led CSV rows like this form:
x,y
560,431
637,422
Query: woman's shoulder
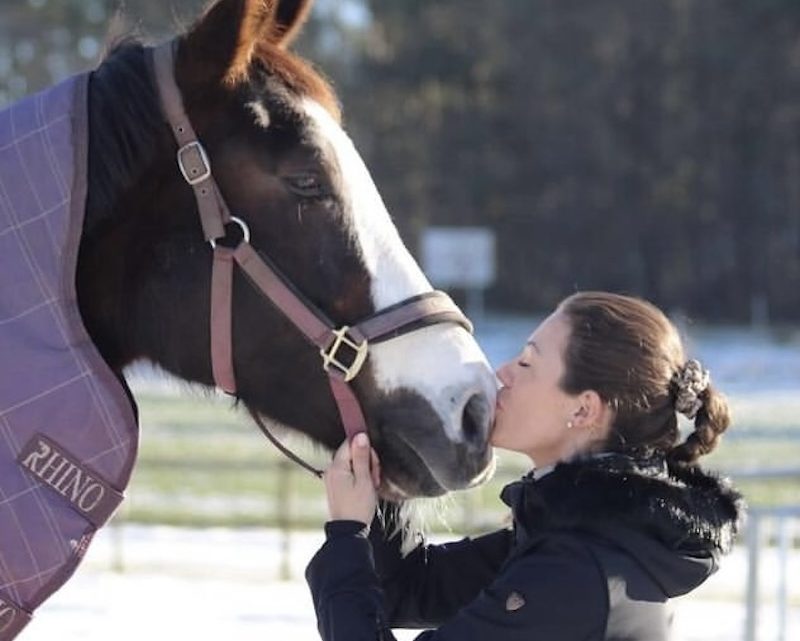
x,y
614,589
559,561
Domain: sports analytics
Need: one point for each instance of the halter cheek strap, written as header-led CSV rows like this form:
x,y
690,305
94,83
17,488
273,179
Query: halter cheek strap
x,y
343,350
221,320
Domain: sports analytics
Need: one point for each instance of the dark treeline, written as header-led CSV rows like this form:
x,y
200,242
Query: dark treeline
x,y
646,146
637,145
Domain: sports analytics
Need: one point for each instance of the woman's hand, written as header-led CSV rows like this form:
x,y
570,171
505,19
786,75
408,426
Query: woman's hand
x,y
352,481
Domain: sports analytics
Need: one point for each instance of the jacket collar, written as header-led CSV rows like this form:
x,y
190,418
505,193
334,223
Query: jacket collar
x,y
682,507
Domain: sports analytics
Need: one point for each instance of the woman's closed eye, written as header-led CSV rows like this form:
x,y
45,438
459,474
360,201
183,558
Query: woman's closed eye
x,y
523,364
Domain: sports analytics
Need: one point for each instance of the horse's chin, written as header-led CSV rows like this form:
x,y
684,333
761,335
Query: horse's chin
x,y
488,472
388,491
395,493
407,473
422,483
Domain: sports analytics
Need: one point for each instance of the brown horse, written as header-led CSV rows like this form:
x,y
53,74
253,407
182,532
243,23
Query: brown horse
x,y
111,218
271,126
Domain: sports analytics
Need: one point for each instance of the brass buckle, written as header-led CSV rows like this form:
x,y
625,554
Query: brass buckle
x,y
190,173
329,357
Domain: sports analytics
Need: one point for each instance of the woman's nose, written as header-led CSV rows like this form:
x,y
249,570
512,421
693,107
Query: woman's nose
x,y
504,374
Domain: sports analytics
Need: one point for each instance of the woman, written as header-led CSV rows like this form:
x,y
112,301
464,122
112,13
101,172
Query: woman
x,y
614,519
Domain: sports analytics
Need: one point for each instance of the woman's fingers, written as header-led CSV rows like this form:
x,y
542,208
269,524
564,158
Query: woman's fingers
x,y
375,467
358,459
350,482
360,453
366,464
341,458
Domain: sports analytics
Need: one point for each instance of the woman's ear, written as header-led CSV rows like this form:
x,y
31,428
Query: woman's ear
x,y
593,414
219,47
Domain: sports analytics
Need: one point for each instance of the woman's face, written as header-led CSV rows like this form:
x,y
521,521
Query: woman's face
x,y
532,410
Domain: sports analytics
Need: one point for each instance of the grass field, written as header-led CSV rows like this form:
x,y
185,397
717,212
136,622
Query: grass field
x,y
202,462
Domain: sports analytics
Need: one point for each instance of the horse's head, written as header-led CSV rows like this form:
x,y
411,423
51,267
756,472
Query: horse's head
x,y
284,164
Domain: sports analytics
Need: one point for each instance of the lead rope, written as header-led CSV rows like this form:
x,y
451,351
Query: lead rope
x,y
282,448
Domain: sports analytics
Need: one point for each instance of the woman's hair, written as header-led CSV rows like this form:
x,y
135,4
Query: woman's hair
x,y
629,352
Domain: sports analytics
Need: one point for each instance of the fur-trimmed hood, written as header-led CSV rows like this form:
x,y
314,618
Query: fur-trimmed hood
x,y
675,520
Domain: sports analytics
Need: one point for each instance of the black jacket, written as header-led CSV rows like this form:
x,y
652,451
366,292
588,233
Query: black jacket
x,y
598,546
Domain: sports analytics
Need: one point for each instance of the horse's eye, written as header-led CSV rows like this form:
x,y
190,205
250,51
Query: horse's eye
x,y
306,185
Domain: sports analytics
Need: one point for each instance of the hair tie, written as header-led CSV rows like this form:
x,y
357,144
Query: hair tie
x,y
690,382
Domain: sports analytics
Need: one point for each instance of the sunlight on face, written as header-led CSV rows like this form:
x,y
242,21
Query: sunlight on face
x,y
532,410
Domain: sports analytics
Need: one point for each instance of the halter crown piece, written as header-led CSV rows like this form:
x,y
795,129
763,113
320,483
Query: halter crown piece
x,y
344,350
689,383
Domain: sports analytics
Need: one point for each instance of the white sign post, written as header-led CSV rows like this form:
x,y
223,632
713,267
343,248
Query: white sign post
x,y
461,257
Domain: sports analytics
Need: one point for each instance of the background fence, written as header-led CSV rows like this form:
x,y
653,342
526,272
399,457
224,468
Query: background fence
x,y
773,530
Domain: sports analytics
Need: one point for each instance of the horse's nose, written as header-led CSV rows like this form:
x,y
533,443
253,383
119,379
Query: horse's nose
x,y
475,421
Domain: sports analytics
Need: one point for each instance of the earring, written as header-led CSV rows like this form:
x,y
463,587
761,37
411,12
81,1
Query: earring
x,y
569,425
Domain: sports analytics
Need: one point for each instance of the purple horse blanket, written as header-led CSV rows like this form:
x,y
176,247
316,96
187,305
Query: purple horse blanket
x,y
68,431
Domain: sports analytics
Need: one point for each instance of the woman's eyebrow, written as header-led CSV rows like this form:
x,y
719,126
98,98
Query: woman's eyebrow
x,y
533,344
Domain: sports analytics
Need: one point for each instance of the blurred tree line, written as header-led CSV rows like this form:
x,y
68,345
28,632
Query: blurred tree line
x,y
646,146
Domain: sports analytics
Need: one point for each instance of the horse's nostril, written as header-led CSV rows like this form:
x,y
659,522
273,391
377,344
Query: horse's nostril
x,y
474,419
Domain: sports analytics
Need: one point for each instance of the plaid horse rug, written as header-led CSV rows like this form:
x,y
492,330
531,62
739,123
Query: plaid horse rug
x,y
68,431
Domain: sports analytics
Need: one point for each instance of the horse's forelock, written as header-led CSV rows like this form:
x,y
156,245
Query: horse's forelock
x,y
298,76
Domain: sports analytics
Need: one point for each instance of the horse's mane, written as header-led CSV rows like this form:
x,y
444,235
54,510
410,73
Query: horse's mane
x,y
125,120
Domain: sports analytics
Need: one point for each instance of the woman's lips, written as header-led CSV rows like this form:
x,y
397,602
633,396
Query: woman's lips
x,y
500,394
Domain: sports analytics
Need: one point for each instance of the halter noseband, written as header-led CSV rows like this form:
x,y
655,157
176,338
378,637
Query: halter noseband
x,y
408,315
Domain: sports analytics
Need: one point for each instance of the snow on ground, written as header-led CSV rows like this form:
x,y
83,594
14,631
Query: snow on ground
x,y
214,584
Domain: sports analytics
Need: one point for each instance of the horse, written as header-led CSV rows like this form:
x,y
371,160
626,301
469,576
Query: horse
x,y
298,190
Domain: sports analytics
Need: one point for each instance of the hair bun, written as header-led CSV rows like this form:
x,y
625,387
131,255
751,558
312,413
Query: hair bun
x,y
689,383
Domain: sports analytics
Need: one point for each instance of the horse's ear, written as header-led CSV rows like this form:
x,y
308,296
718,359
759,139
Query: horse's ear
x,y
289,17
224,38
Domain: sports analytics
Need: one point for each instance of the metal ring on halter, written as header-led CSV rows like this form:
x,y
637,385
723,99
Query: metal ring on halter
x,y
242,225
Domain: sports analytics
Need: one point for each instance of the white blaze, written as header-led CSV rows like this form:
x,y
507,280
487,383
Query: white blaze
x,y
443,362
260,113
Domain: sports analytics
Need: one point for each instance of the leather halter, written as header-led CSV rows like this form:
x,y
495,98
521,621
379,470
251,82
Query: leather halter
x,y
411,314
